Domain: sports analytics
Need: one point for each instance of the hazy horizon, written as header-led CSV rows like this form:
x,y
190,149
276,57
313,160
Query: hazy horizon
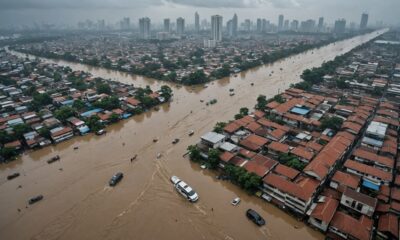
x,y
69,12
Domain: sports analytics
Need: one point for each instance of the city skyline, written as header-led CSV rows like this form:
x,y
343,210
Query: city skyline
x,y
27,12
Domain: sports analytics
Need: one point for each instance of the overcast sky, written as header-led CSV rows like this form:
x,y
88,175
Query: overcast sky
x,y
72,11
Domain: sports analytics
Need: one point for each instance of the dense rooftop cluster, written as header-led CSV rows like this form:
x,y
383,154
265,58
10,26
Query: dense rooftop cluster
x,y
328,152
42,103
185,60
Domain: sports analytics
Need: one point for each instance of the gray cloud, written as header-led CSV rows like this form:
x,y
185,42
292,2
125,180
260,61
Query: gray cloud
x,y
76,4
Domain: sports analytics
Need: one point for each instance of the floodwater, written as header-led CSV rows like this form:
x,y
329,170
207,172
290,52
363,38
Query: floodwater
x,y
78,204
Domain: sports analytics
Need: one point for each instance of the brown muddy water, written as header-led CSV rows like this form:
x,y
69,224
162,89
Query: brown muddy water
x,y
78,204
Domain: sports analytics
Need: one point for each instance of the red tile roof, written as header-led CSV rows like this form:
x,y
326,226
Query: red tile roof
x,y
324,211
279,147
285,171
368,170
302,153
373,157
389,223
360,229
346,180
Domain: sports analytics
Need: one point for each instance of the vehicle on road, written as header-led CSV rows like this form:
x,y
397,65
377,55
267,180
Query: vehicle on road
x,y
184,189
116,179
35,199
235,201
255,217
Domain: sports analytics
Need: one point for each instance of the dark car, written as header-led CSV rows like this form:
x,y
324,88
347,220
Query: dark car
x,y
35,199
255,217
116,179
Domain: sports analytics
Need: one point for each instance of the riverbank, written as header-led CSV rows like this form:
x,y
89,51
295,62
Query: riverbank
x,y
199,72
77,200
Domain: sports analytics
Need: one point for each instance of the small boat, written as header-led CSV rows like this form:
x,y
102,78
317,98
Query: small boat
x,y
155,140
76,148
134,157
231,90
53,159
35,199
158,155
175,141
100,132
235,201
203,166
191,132
231,94
12,176
201,100
252,84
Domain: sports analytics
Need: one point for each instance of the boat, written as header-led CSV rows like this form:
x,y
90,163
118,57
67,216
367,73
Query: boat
x,y
231,94
252,84
155,139
203,166
235,201
159,155
101,132
116,179
175,141
191,132
184,189
53,159
12,176
231,90
35,199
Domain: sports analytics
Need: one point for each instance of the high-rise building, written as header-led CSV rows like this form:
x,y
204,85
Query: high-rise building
x,y
125,23
166,25
101,24
259,25
320,24
247,25
180,26
216,28
196,22
294,25
286,25
364,21
340,26
234,25
144,27
280,22
229,27
265,25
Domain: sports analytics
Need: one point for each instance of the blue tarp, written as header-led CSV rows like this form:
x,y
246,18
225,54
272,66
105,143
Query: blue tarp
x,y
371,185
88,113
126,115
67,102
299,111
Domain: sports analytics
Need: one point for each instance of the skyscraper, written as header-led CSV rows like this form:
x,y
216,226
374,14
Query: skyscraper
x,y
340,26
294,25
196,22
144,27
247,25
286,25
234,25
259,25
364,21
180,26
280,22
125,23
320,24
229,26
216,28
166,25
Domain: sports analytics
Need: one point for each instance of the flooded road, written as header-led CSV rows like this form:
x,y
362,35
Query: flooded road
x,y
78,204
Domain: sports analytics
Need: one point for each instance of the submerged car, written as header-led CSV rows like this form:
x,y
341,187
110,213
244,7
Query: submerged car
x,y
35,199
101,132
116,179
184,189
255,217
235,201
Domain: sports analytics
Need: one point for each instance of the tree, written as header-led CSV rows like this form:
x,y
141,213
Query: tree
x,y
5,137
79,104
103,88
114,118
8,153
244,111
213,157
93,122
41,99
261,102
21,129
108,103
63,113
194,153
279,99
166,92
219,127
333,123
44,132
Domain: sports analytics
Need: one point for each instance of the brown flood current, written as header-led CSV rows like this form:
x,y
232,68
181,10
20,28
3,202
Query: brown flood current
x,y
78,204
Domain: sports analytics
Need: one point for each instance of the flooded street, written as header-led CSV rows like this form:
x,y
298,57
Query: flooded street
x,y
78,204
